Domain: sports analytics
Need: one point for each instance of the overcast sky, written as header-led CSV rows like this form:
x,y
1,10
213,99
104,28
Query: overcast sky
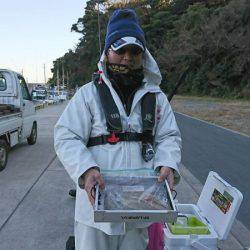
x,y
36,32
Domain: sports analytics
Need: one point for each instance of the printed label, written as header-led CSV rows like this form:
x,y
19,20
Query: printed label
x,y
222,201
137,217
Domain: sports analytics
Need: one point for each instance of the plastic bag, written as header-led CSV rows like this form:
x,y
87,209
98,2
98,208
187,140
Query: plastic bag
x,y
134,193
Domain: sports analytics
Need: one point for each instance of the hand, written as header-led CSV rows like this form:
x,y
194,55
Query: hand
x,y
167,173
91,178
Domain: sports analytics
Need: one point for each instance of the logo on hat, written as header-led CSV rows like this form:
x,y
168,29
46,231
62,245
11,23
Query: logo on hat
x,y
128,40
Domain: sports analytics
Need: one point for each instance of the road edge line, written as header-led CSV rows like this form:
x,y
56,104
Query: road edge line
x,y
213,124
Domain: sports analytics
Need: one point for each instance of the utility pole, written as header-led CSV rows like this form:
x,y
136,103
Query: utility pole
x,y
44,74
99,28
36,75
57,77
67,79
63,75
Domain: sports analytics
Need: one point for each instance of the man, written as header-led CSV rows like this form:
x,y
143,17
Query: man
x,y
87,141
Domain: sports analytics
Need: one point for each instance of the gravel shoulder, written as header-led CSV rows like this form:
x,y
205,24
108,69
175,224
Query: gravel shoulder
x,y
231,114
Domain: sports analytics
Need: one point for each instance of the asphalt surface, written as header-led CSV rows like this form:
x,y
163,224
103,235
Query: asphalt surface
x,y
207,147
36,211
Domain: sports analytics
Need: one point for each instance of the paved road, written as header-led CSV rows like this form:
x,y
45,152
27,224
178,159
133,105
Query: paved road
x,y
35,209
207,147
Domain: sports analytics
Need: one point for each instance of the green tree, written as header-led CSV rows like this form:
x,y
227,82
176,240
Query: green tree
x,y
208,37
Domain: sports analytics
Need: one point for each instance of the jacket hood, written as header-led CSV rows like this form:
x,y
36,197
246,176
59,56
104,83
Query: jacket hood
x,y
152,75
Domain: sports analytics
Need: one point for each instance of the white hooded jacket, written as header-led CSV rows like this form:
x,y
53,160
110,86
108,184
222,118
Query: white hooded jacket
x,y
84,118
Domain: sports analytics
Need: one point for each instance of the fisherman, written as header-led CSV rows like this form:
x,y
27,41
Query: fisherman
x,y
120,120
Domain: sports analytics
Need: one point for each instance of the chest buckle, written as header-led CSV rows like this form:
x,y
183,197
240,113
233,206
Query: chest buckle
x,y
113,139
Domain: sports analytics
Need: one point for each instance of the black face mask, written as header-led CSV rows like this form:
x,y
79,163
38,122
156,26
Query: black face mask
x,y
123,75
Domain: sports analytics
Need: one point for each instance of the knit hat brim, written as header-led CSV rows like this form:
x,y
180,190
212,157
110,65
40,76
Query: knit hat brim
x,y
128,40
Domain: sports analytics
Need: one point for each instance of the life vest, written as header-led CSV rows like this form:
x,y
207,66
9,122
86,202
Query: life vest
x,y
114,125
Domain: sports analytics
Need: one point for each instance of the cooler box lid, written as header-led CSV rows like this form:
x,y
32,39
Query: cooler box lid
x,y
219,203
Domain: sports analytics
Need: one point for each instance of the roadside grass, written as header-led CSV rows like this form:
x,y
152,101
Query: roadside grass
x,y
213,99
229,113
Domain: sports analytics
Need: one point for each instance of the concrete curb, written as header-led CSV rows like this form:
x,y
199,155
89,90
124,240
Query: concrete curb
x,y
43,105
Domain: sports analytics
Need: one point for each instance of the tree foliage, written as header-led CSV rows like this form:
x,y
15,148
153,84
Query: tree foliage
x,y
210,36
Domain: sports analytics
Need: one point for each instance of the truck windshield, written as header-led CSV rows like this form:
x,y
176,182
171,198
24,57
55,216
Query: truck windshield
x,y
24,88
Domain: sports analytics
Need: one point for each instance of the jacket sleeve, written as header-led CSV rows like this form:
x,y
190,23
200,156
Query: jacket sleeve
x,y
71,134
167,139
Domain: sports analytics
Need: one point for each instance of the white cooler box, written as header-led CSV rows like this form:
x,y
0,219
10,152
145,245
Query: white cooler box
x,y
217,207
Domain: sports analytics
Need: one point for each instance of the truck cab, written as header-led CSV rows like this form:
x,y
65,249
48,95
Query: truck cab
x,y
17,113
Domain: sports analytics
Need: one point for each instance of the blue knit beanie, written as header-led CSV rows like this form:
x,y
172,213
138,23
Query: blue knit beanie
x,y
121,24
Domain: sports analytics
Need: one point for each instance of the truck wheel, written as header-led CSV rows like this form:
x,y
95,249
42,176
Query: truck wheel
x,y
33,135
3,154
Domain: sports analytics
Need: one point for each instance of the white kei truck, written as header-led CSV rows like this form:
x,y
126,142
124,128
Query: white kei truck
x,y
17,113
